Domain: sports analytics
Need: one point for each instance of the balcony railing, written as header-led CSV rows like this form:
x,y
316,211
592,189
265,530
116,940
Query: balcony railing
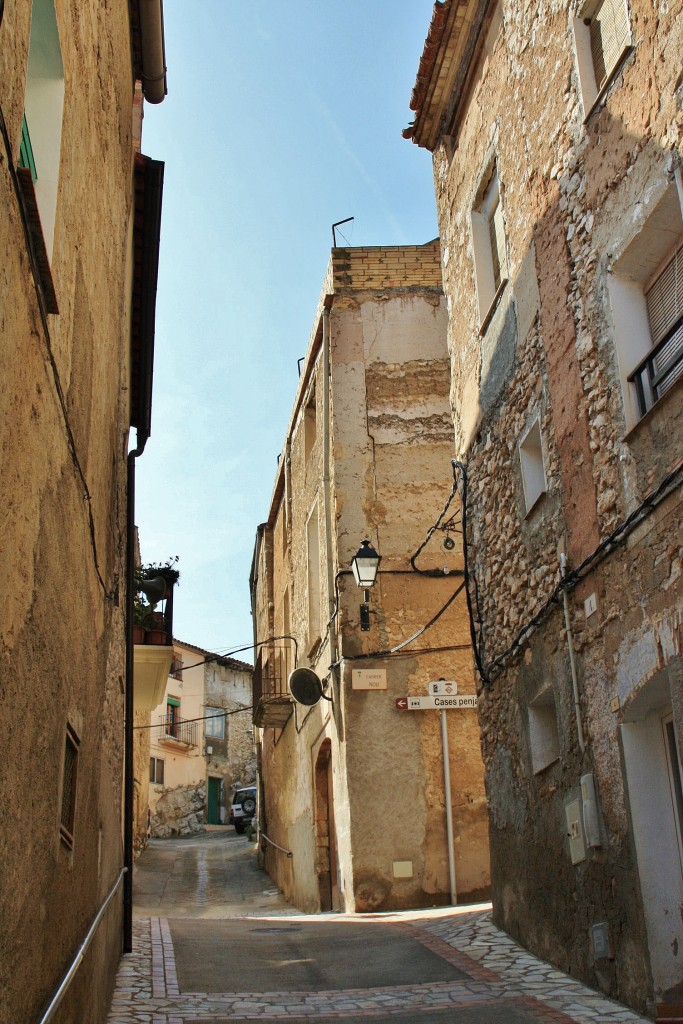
x,y
270,674
177,730
661,368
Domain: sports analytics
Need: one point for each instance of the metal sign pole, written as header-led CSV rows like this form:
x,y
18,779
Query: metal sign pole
x,y
449,809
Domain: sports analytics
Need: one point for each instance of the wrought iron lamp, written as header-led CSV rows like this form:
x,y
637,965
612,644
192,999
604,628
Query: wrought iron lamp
x,y
365,565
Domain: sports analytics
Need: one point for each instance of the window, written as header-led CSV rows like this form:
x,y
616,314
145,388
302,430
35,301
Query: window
x,y
603,38
310,425
664,364
645,287
544,740
214,725
40,152
172,716
176,667
69,781
156,771
488,242
531,464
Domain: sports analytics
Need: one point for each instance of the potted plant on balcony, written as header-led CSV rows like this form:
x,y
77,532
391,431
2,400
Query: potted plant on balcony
x,y
141,612
153,581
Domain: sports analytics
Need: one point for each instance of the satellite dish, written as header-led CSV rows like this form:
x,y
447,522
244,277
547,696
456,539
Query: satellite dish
x,y
305,687
153,589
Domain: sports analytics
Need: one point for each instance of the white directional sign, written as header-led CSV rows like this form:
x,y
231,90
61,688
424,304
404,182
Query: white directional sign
x,y
436,702
443,688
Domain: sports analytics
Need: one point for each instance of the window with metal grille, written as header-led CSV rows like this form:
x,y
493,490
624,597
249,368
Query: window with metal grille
x,y
69,781
156,771
663,365
609,34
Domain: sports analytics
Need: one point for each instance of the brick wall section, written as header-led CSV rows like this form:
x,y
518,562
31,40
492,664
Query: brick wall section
x,y
379,267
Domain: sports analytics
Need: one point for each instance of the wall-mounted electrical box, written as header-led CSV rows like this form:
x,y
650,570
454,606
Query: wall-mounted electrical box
x,y
577,846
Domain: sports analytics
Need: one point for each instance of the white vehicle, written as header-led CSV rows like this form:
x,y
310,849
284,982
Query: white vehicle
x,y
243,808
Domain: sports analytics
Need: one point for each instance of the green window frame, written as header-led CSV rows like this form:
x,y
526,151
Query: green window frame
x,y
26,150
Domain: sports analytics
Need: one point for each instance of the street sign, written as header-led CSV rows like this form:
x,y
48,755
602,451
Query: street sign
x,y
436,702
369,679
444,688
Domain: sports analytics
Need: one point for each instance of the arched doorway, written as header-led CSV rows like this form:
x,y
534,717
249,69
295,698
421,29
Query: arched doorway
x,y
326,848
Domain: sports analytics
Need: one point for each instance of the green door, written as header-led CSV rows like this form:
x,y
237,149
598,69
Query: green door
x,y
214,802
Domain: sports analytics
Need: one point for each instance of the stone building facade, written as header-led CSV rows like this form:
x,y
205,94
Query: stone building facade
x,y
556,133
201,742
352,786
68,170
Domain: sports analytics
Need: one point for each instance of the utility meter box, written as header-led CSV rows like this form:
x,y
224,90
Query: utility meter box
x,y
577,844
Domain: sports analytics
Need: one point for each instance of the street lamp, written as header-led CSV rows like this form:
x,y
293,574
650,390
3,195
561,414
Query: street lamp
x,y
365,564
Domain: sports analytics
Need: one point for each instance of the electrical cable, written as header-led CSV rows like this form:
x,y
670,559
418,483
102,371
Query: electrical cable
x,y
204,718
572,576
377,655
247,647
437,525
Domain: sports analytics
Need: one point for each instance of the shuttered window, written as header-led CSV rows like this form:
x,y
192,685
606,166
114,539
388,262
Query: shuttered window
x,y
664,299
609,34
69,779
493,211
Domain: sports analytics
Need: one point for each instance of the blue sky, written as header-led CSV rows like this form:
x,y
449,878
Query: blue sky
x,y
280,120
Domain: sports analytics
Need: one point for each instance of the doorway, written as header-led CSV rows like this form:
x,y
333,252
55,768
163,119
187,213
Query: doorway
x,y
325,839
213,801
653,768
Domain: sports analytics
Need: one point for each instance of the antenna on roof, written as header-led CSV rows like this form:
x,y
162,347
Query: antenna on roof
x,y
338,224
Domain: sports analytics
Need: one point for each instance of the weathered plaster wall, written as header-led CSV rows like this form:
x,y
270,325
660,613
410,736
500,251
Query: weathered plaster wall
x,y
574,196
61,636
391,444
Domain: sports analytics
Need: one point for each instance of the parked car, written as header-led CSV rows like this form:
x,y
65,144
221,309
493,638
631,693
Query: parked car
x,y
243,808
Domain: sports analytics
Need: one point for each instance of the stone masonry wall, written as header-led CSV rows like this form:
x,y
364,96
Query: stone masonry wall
x,y
63,445
575,191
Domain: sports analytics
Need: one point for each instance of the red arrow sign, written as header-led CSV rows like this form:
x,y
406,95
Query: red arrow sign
x,y
402,703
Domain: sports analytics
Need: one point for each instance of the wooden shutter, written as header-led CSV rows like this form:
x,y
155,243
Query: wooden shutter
x,y
664,299
609,34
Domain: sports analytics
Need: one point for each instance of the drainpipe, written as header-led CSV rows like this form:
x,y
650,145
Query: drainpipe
x,y
151,14
128,789
332,622
572,658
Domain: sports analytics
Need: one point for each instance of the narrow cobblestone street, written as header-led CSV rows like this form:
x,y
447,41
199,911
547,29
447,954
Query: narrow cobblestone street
x,y
215,942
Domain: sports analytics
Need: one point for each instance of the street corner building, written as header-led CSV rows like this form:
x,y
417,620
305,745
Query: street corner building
x,y
79,237
556,138
201,741
353,808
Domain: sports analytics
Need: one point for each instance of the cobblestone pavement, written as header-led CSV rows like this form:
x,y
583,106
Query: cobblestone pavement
x,y
494,980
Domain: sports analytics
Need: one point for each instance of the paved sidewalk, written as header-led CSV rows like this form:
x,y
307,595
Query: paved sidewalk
x,y
503,984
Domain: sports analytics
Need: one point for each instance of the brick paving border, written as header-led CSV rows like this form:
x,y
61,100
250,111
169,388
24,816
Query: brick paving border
x,y
498,973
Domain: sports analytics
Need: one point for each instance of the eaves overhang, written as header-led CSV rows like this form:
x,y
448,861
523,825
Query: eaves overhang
x,y
455,36
148,183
